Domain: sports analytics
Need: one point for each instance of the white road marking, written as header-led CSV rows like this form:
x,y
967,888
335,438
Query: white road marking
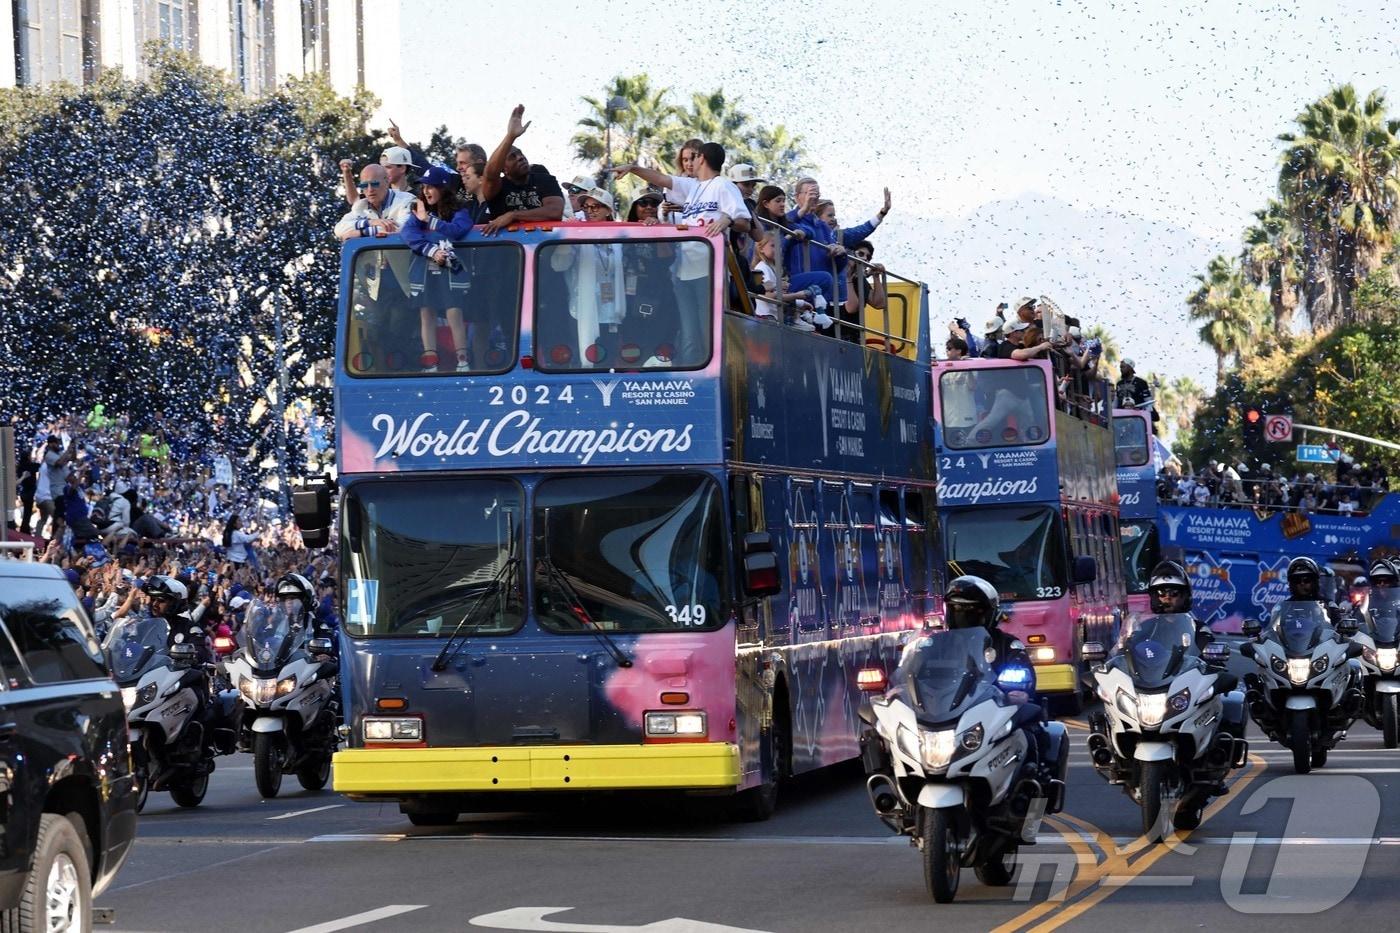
x,y
360,919
1360,771
288,816
533,918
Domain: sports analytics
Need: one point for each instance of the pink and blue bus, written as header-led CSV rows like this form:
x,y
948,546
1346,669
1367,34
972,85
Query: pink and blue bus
x,y
636,541
1028,501
1137,502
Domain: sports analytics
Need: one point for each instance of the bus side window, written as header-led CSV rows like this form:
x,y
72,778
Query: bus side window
x,y
916,533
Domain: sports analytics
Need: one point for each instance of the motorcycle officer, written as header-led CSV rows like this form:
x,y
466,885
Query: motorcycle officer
x,y
170,601
297,597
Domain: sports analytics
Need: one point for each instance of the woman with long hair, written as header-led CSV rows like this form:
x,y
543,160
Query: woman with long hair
x,y
771,210
437,276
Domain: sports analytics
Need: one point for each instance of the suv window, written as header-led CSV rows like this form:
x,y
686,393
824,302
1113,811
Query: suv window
x,y
54,639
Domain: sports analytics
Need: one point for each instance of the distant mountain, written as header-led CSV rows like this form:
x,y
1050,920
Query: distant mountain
x,y
1130,273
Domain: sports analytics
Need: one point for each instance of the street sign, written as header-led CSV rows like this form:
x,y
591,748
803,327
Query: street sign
x,y
1278,428
1317,453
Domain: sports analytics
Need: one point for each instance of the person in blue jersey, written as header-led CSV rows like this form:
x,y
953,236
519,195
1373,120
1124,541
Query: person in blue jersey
x,y
437,276
826,245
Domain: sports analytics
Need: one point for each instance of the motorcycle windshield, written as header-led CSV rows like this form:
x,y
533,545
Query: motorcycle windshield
x,y
944,673
136,645
1384,623
1158,649
1301,625
1383,597
270,636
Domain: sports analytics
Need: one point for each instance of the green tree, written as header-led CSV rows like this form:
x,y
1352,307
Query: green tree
x,y
1338,179
1232,312
780,156
641,131
1272,250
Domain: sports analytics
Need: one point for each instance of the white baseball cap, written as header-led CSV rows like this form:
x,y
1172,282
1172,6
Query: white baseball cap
x,y
743,172
396,155
602,197
581,184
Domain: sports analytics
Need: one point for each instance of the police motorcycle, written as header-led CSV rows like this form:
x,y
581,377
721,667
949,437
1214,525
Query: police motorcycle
x,y
286,685
1173,723
953,761
1306,693
1377,631
165,690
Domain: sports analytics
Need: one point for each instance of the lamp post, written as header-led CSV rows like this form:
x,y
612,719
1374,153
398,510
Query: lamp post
x,y
616,104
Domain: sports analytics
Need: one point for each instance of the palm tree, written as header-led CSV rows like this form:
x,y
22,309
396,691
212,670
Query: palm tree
x,y
1272,249
1188,395
1338,179
640,131
779,156
1234,313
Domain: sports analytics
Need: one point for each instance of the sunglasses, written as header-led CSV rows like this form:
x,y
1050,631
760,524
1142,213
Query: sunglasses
x,y
598,207
362,185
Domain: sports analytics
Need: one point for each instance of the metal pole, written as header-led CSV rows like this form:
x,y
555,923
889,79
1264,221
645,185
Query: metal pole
x,y
281,407
1356,437
607,157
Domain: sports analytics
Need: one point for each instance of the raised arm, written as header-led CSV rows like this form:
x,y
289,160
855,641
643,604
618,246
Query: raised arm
x,y
649,175
515,128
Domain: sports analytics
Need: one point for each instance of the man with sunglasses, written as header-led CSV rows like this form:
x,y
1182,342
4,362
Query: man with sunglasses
x,y
380,211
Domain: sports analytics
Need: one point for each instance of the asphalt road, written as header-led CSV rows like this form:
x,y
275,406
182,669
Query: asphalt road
x,y
1279,852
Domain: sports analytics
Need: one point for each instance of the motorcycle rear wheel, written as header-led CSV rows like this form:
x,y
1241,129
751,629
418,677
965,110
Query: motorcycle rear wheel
x,y
189,792
997,872
1390,720
268,756
1300,741
315,775
942,854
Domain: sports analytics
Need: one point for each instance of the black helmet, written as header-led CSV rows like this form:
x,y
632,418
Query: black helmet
x,y
971,602
1168,575
1303,578
295,586
1383,575
163,587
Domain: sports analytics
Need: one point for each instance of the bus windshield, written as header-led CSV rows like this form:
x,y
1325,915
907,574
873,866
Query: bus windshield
x,y
420,556
623,305
408,314
634,553
1018,550
1130,441
1004,407
1141,552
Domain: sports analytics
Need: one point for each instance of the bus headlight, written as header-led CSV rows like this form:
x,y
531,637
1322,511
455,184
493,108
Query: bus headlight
x,y
688,724
1043,655
392,729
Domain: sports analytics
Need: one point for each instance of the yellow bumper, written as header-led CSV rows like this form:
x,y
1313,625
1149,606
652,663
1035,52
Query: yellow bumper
x,y
393,771
1056,678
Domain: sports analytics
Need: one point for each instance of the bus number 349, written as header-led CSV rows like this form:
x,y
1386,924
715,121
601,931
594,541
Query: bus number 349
x,y
687,615
519,395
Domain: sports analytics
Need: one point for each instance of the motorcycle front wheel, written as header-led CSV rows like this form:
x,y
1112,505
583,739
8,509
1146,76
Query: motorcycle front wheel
x,y
1155,787
1390,720
268,756
942,854
1300,741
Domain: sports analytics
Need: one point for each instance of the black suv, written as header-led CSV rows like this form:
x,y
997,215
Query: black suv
x,y
67,796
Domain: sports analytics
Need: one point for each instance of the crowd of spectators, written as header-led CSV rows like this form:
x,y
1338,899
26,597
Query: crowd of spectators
x,y
113,504
1353,489
806,268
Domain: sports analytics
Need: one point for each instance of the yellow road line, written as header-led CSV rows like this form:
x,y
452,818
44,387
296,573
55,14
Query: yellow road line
x,y
1076,724
1086,872
1121,879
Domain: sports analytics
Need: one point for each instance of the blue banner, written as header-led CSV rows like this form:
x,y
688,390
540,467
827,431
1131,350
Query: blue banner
x,y
991,477
1137,492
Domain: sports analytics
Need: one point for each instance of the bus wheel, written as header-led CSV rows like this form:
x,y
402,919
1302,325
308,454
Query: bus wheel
x,y
1067,704
759,803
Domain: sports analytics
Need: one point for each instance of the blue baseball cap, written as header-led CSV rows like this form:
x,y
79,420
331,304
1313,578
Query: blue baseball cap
x,y
74,578
438,175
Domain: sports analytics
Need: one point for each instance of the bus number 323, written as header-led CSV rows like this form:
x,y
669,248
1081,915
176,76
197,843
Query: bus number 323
x,y
687,615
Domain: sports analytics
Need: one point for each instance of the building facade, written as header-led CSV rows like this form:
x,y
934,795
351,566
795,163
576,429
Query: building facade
x,y
258,42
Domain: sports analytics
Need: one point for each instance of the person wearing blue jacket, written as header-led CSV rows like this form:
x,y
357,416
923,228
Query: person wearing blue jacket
x,y
437,277
824,249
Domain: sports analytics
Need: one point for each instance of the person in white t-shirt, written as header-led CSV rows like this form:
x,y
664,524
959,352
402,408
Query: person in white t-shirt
x,y
709,199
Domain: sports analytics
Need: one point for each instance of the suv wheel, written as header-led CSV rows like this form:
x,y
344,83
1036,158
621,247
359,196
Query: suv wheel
x,y
58,889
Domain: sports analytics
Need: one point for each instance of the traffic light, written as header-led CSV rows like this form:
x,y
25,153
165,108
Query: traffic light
x,y
1252,418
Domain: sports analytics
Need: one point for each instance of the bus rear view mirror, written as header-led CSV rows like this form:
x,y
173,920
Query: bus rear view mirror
x,y
761,565
311,508
1085,570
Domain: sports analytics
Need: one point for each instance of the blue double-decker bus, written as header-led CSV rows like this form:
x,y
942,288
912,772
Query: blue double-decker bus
x,y
1137,502
599,532
1028,500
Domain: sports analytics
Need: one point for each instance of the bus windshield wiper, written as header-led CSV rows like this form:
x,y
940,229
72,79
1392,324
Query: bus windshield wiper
x,y
483,599
577,608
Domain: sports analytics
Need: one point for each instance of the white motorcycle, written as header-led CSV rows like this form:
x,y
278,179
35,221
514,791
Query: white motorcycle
x,y
164,689
286,684
951,764
1378,634
1172,727
1306,693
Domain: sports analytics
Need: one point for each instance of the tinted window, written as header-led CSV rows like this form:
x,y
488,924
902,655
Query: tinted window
x,y
471,305
623,305
50,632
1003,407
916,529
1019,550
1130,441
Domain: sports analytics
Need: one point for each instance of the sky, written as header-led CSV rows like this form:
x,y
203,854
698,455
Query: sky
x,y
1098,153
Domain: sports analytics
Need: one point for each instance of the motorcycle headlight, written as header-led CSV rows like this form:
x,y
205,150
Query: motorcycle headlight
x,y
1320,664
971,739
258,690
286,685
1278,665
1126,704
908,742
1179,702
1152,709
1299,670
937,749
1369,656
129,698
1385,659
146,694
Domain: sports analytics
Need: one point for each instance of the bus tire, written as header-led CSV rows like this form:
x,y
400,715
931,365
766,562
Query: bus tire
x,y
758,804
